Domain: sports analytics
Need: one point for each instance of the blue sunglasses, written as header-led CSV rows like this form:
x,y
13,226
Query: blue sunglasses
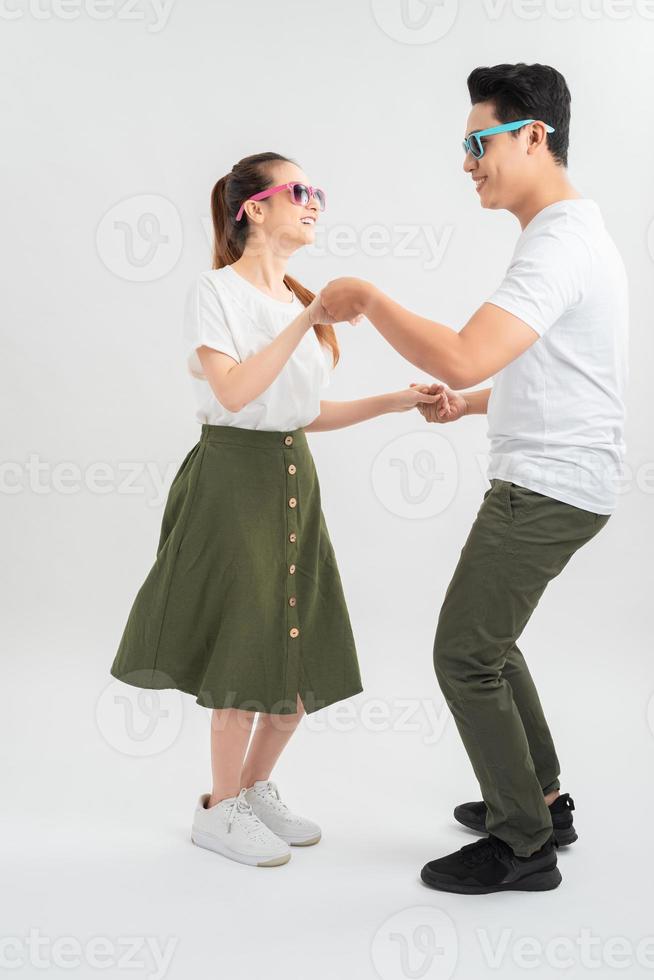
x,y
473,144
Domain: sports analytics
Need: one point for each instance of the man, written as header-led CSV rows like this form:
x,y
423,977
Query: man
x,y
554,336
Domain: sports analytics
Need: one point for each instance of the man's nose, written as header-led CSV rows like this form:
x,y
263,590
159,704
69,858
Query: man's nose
x,y
469,162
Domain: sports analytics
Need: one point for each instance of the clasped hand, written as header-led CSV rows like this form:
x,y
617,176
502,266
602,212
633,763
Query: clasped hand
x,y
447,406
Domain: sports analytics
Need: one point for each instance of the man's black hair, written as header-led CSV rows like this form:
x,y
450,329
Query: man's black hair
x,y
527,92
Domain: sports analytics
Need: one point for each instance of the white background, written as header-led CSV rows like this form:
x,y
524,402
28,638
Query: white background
x,y
113,112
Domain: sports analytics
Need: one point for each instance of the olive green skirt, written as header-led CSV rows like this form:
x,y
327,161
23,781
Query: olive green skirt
x,y
244,605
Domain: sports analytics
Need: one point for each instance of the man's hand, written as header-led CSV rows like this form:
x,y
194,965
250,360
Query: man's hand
x,y
450,406
346,298
317,313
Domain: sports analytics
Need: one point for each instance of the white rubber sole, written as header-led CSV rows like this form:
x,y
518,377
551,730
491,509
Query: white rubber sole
x,y
300,841
254,860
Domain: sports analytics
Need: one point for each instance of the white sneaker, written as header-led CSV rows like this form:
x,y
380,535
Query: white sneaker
x,y
232,829
264,798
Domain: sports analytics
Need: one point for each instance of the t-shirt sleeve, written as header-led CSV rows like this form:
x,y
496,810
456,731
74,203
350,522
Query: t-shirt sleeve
x,y
205,319
547,276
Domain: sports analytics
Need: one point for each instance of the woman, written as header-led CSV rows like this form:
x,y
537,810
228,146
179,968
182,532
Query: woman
x,y
244,606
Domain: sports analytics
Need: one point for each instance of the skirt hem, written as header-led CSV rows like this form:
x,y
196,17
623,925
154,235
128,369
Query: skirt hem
x,y
205,700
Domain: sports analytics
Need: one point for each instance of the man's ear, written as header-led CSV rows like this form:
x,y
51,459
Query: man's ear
x,y
537,135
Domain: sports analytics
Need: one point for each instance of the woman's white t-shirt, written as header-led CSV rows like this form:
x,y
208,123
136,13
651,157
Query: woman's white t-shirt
x,y
226,312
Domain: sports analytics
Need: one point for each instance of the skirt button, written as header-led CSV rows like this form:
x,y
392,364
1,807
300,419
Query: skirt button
x,y
291,569
292,502
294,632
292,537
292,601
288,441
292,469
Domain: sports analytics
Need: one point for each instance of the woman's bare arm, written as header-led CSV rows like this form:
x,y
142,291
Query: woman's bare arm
x,y
234,384
338,415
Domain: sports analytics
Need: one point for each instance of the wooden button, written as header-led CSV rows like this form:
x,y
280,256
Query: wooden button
x,y
292,537
292,601
288,440
292,502
294,632
291,569
292,469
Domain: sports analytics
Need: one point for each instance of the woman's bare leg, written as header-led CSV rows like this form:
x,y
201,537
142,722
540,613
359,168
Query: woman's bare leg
x,y
230,733
268,742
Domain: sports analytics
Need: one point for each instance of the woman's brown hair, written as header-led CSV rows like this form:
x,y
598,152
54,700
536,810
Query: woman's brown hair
x,y
249,176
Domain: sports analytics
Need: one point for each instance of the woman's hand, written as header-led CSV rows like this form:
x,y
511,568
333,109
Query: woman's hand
x,y
450,405
412,397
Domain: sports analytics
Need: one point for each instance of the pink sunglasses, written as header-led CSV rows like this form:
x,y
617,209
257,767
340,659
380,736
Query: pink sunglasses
x,y
301,194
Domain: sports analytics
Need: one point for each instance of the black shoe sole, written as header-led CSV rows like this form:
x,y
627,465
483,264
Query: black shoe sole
x,y
563,836
540,881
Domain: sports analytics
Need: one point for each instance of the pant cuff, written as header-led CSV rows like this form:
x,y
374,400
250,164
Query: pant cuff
x,y
526,850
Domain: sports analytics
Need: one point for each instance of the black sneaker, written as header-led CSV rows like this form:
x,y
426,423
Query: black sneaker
x,y
489,865
473,815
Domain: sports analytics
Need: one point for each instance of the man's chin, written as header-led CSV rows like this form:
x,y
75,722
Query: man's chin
x,y
490,204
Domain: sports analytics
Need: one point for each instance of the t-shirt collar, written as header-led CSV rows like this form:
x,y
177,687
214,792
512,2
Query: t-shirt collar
x,y
545,213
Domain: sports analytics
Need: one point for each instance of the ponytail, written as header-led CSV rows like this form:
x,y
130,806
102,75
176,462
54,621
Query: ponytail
x,y
226,248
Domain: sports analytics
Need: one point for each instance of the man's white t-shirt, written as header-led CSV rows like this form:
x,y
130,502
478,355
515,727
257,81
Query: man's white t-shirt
x,y
556,413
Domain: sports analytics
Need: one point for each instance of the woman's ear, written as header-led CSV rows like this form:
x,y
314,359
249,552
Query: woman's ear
x,y
254,212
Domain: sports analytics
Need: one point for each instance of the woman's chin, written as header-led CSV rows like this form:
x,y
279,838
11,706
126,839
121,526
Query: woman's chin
x,y
303,239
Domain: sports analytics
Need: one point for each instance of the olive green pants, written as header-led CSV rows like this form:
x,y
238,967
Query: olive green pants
x,y
518,543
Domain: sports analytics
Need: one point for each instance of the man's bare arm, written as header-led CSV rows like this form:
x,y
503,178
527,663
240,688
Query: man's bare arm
x,y
477,401
490,340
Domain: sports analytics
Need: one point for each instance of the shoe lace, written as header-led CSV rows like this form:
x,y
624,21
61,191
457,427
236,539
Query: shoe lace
x,y
483,850
239,806
271,790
